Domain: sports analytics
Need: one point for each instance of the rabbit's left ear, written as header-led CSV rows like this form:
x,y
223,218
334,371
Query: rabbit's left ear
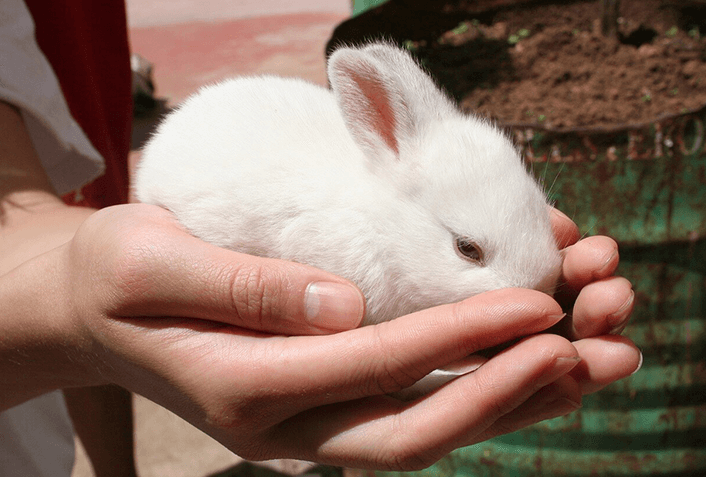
x,y
384,97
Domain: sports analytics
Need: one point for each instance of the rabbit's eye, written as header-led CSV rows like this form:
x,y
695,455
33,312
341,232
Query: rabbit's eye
x,y
469,250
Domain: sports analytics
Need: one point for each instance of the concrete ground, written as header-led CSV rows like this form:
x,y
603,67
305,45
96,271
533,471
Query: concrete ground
x,y
191,43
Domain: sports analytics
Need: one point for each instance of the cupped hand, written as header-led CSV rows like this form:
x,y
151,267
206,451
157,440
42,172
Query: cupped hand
x,y
191,326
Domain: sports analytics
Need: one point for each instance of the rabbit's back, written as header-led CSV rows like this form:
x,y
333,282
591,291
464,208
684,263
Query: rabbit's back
x,y
245,161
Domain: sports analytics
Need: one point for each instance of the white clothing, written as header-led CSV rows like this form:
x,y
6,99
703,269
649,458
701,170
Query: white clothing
x,y
36,438
28,82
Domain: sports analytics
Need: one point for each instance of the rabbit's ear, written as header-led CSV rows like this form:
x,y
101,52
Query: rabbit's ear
x,y
384,97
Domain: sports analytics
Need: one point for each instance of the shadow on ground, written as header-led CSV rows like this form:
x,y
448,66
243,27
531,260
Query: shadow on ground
x,y
247,469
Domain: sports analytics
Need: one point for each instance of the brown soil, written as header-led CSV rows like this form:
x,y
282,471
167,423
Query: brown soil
x,y
549,64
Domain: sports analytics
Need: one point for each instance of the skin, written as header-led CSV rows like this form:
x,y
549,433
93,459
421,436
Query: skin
x,y
125,296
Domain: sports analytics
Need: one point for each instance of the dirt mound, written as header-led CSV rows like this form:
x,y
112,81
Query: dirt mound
x,y
548,63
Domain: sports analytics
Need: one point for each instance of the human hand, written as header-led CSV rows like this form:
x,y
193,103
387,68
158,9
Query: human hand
x,y
598,307
132,276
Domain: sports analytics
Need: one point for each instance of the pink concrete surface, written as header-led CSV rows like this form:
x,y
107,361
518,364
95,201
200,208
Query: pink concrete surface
x,y
142,13
189,55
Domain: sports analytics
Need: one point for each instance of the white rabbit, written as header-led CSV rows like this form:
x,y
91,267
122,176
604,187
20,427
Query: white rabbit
x,y
381,180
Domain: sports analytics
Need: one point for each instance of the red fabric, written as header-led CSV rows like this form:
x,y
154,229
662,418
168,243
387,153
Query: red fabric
x,y
87,45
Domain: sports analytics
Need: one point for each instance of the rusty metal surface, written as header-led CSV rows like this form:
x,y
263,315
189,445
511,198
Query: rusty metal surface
x,y
646,186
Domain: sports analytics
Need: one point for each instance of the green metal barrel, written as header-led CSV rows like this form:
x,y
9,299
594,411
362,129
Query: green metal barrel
x,y
644,185
360,6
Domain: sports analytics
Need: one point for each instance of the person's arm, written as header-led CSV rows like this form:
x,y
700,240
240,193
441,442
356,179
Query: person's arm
x,y
33,220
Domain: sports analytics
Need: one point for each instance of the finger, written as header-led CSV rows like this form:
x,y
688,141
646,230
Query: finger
x,y
164,271
309,371
565,230
602,307
557,399
590,259
372,431
605,359
391,356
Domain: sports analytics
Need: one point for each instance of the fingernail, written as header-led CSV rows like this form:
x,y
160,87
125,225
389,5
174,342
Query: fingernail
x,y
333,306
554,319
559,213
563,365
607,262
639,365
568,405
619,319
465,365
548,403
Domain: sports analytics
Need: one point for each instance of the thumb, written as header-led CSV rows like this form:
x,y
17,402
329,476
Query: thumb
x,y
164,271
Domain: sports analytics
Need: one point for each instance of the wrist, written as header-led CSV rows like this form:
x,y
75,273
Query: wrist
x,y
44,346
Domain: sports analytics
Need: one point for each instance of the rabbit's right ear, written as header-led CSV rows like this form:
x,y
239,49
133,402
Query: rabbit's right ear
x,y
384,97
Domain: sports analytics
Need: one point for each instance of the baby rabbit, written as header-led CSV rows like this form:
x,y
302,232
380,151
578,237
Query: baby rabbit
x,y
381,180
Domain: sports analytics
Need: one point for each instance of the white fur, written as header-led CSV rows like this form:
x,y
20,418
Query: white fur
x,y
283,168
371,181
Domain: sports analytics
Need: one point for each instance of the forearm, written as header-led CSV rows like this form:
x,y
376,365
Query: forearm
x,y
41,348
38,348
37,338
